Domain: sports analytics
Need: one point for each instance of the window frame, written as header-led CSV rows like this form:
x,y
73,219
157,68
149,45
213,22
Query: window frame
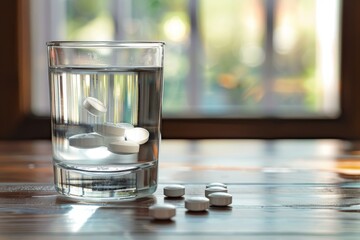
x,y
20,123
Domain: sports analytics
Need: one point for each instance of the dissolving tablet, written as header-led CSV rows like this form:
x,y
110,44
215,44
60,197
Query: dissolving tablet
x,y
123,147
138,134
124,125
174,190
214,189
108,140
110,129
197,204
162,211
220,199
216,184
94,106
86,140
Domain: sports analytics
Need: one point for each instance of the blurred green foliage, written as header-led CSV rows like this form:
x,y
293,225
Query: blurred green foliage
x,y
231,54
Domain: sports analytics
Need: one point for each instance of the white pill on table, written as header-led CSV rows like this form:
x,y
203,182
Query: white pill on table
x,y
86,140
216,184
220,199
110,129
214,189
94,106
123,147
174,190
162,211
138,134
197,204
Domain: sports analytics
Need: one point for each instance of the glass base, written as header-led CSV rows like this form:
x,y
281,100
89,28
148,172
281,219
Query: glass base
x,y
105,186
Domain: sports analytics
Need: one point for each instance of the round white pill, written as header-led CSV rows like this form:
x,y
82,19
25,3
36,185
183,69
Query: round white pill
x,y
216,184
174,190
162,211
197,204
94,106
138,134
214,189
108,140
86,140
123,147
220,199
125,125
109,129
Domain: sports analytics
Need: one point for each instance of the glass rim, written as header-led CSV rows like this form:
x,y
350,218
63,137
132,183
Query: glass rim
x,y
76,44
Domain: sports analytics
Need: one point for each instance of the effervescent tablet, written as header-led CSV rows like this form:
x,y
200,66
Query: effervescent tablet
x,y
125,125
108,140
123,147
214,189
94,106
138,135
175,190
220,199
197,204
162,211
216,184
86,140
110,129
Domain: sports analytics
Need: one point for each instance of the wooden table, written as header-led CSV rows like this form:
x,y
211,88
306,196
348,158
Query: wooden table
x,y
285,189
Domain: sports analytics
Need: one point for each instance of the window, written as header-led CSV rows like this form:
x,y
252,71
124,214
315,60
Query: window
x,y
250,58
252,68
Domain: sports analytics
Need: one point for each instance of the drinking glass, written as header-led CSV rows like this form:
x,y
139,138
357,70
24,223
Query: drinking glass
x,y
106,100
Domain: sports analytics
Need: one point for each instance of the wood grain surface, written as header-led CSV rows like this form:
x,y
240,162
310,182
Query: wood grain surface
x,y
288,189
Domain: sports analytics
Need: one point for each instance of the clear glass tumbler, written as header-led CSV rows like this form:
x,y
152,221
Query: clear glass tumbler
x,y
106,100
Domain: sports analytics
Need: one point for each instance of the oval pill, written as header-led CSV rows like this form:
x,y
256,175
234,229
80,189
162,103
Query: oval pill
x,y
216,184
94,106
162,211
86,140
220,199
214,189
174,190
123,147
197,204
109,129
138,134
